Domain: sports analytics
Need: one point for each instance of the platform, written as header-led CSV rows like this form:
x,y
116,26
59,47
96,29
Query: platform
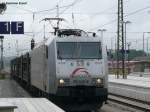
x,y
28,105
134,87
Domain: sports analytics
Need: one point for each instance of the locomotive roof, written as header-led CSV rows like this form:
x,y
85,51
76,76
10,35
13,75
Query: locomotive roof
x,y
68,32
70,35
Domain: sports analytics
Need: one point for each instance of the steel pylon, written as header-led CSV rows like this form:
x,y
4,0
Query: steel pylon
x,y
120,40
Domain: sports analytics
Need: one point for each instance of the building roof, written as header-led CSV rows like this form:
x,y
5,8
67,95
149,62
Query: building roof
x,y
143,58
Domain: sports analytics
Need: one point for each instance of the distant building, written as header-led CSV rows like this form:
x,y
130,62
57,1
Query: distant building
x,y
138,64
143,64
129,66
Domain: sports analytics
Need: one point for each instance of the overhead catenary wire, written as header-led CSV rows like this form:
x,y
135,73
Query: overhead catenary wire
x,y
23,9
129,14
66,7
102,12
47,10
34,13
68,13
75,2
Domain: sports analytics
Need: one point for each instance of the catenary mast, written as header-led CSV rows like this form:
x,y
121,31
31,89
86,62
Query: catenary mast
x,y
120,39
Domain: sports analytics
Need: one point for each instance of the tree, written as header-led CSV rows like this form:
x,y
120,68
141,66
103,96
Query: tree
x,y
3,7
132,54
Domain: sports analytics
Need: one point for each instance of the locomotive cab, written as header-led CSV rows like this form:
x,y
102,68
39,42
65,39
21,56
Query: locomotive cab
x,y
80,68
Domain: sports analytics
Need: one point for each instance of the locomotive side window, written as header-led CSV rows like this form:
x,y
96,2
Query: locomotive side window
x,y
79,50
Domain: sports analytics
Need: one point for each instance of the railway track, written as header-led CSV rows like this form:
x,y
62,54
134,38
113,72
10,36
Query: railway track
x,y
132,103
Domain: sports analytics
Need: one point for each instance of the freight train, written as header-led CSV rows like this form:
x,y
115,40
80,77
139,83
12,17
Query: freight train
x,y
69,68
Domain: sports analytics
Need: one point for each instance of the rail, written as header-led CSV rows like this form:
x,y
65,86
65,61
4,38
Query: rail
x,y
130,102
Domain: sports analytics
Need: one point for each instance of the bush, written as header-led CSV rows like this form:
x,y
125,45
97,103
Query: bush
x,y
2,76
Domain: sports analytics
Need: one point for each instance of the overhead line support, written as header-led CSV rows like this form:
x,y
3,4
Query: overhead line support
x,y
120,40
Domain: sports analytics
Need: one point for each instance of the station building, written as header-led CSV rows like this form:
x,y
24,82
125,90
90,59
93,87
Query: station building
x,y
138,64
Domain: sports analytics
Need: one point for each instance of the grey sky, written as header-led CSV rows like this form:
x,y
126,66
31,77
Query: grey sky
x,y
88,15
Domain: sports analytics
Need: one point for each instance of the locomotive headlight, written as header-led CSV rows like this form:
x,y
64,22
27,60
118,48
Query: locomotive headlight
x,y
61,81
99,81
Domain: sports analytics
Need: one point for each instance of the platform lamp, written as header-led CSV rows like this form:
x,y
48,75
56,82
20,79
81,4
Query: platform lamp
x,y
143,40
128,44
125,34
102,31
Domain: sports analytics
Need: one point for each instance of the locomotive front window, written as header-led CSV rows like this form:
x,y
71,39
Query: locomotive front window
x,y
79,50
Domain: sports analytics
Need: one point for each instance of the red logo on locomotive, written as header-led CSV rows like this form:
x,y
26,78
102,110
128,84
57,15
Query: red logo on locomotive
x,y
80,71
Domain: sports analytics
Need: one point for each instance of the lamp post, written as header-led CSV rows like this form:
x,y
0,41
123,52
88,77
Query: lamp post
x,y
125,35
147,44
143,40
102,31
129,44
112,43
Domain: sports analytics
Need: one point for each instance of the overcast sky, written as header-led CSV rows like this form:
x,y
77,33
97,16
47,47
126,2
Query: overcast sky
x,y
89,15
